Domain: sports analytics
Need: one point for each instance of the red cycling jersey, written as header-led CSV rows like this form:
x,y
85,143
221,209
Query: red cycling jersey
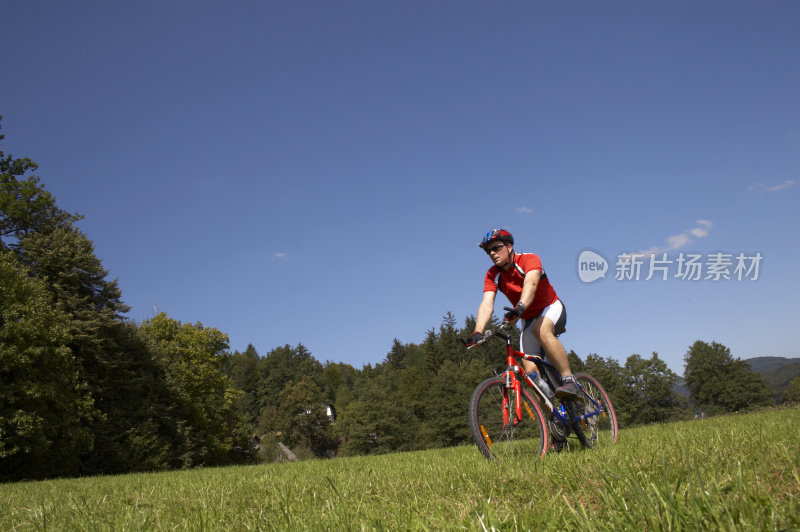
x,y
510,283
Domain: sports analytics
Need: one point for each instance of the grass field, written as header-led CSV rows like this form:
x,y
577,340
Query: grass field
x,y
724,473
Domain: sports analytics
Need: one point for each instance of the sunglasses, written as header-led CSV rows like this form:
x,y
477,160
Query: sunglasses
x,y
495,248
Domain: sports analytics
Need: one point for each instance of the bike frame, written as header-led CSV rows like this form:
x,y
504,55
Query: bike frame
x,y
515,374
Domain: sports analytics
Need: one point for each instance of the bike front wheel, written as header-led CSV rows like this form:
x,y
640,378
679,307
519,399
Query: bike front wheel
x,y
595,413
496,429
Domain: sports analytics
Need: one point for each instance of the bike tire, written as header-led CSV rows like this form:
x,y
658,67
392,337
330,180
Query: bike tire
x,y
526,438
599,429
571,406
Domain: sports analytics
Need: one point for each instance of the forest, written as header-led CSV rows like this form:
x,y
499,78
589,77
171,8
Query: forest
x,y
85,390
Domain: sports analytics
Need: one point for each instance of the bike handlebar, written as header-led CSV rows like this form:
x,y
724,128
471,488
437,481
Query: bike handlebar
x,y
497,331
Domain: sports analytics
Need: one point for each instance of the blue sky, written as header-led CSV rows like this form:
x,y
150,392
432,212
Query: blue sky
x,y
321,172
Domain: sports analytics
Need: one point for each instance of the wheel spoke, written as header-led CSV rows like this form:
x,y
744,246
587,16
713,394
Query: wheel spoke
x,y
596,412
498,440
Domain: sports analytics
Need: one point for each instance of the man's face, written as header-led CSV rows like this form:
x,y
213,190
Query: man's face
x,y
499,252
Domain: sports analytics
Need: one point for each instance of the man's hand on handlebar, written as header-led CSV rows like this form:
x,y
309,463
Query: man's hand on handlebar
x,y
475,339
479,338
514,313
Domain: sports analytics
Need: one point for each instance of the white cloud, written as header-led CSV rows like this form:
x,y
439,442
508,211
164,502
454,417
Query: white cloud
x,y
526,210
677,241
786,184
702,229
763,188
279,256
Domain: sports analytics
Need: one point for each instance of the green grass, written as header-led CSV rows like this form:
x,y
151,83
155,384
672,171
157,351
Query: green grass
x,y
724,473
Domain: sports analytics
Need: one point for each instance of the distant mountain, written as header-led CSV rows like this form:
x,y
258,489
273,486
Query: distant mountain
x,y
765,364
681,388
777,371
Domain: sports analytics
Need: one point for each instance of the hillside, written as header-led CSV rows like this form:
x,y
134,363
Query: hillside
x,y
777,371
674,476
766,364
681,388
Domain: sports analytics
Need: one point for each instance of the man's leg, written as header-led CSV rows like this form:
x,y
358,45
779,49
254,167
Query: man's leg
x,y
544,330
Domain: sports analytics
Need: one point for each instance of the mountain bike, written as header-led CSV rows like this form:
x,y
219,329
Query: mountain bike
x,y
506,418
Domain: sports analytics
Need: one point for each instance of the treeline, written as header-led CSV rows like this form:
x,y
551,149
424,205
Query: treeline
x,y
83,390
417,397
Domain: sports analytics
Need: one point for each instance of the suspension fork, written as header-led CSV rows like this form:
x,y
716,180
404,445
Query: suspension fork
x,y
517,387
514,385
505,401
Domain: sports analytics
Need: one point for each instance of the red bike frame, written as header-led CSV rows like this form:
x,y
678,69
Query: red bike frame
x,y
513,381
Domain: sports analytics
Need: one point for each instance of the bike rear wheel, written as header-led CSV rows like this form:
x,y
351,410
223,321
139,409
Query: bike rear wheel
x,y
516,438
595,419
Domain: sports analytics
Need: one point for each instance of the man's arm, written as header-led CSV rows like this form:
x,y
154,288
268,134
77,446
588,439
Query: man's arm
x,y
485,311
529,287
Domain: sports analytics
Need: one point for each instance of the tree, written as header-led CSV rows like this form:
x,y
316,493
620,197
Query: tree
x,y
375,422
281,366
139,398
791,394
718,382
611,376
434,352
337,383
135,428
417,397
46,242
650,396
446,400
78,284
66,258
607,371
242,368
396,357
303,420
44,407
575,362
207,424
25,206
453,349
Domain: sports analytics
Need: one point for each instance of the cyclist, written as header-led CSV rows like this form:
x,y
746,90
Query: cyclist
x,y
521,277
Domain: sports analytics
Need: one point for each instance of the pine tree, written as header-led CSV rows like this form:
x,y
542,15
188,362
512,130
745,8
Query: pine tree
x,y
242,368
25,206
47,244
